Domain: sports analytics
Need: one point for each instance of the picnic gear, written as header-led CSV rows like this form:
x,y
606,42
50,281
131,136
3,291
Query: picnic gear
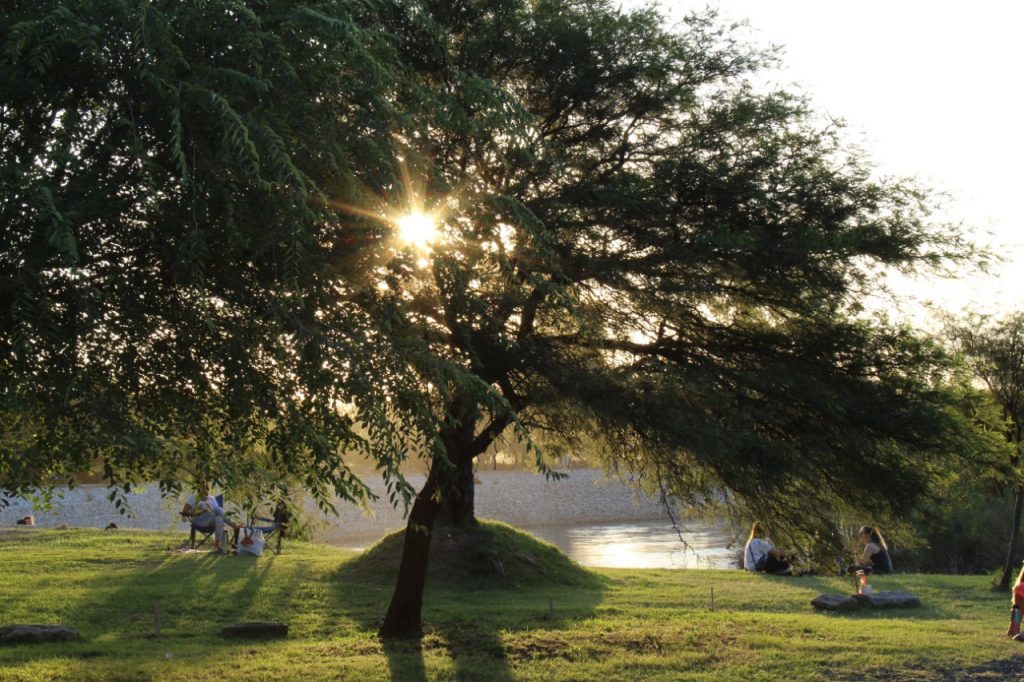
x,y
271,527
250,541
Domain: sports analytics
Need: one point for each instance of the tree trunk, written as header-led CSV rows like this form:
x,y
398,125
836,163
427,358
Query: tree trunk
x,y
448,494
404,616
444,500
1011,554
458,505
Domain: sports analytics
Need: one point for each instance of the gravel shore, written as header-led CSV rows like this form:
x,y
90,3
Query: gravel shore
x,y
516,497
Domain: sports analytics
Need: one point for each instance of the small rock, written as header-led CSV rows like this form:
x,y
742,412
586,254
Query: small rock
x,y
63,526
835,602
256,629
111,526
37,634
26,521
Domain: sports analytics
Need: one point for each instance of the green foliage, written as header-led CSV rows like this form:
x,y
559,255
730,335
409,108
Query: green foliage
x,y
172,301
638,247
993,350
643,249
964,531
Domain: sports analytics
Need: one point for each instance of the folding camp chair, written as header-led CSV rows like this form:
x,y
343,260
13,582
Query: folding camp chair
x,y
205,531
271,527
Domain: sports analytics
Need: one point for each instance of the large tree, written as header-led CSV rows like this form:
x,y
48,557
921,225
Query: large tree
x,y
640,245
636,245
994,350
176,290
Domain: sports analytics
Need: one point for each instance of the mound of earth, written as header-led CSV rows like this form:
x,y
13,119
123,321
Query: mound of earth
x,y
488,554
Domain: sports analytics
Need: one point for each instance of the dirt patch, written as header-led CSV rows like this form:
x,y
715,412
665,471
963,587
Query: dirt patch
x,y
532,649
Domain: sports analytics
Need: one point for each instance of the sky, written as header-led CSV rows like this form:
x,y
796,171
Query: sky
x,y
928,89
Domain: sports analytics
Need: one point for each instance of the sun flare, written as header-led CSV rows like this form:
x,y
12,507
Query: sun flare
x,y
417,229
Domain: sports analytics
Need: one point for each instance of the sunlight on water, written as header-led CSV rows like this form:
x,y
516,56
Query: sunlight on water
x,y
645,544
637,544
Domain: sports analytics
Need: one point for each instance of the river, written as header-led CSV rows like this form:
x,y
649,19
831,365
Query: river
x,y
596,519
629,544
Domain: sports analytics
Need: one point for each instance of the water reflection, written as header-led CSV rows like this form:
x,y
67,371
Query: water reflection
x,y
644,544
634,544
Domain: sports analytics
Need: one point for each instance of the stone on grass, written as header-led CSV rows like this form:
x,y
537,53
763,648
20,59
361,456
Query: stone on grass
x,y
835,602
37,634
256,629
889,600
875,600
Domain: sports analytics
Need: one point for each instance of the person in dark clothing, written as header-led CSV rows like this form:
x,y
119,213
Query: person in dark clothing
x,y
875,558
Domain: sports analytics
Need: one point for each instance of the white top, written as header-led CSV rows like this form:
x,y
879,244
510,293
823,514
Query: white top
x,y
205,505
756,549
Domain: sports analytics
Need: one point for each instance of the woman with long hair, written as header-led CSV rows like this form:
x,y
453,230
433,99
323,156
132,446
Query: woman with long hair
x,y
875,558
760,556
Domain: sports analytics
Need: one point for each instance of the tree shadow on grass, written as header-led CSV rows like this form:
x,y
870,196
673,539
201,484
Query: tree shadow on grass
x,y
113,598
106,586
483,585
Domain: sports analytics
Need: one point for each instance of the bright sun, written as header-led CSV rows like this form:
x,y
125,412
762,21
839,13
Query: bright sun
x,y
417,229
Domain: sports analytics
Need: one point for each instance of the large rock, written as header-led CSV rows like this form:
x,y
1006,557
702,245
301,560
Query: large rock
x,y
875,600
256,629
835,602
889,600
37,634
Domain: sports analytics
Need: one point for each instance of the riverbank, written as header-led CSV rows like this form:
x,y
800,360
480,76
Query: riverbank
x,y
520,498
618,625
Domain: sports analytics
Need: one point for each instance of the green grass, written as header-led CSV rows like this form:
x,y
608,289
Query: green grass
x,y
535,618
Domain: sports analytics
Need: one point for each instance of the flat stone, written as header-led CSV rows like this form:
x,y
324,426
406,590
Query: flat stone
x,y
37,634
890,600
835,602
256,629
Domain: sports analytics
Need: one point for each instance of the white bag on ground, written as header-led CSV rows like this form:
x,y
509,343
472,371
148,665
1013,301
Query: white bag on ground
x,y
250,541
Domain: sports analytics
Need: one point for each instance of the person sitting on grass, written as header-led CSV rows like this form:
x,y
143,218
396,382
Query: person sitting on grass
x,y
875,558
203,511
760,556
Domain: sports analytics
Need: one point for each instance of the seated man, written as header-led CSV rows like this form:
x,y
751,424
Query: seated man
x,y
203,511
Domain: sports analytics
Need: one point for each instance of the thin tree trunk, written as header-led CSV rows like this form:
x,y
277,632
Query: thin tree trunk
x,y
1011,554
404,616
442,501
449,493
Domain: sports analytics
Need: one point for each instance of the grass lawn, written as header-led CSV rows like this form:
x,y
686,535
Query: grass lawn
x,y
531,618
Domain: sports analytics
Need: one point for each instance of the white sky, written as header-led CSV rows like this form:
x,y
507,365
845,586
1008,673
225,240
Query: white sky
x,y
929,89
